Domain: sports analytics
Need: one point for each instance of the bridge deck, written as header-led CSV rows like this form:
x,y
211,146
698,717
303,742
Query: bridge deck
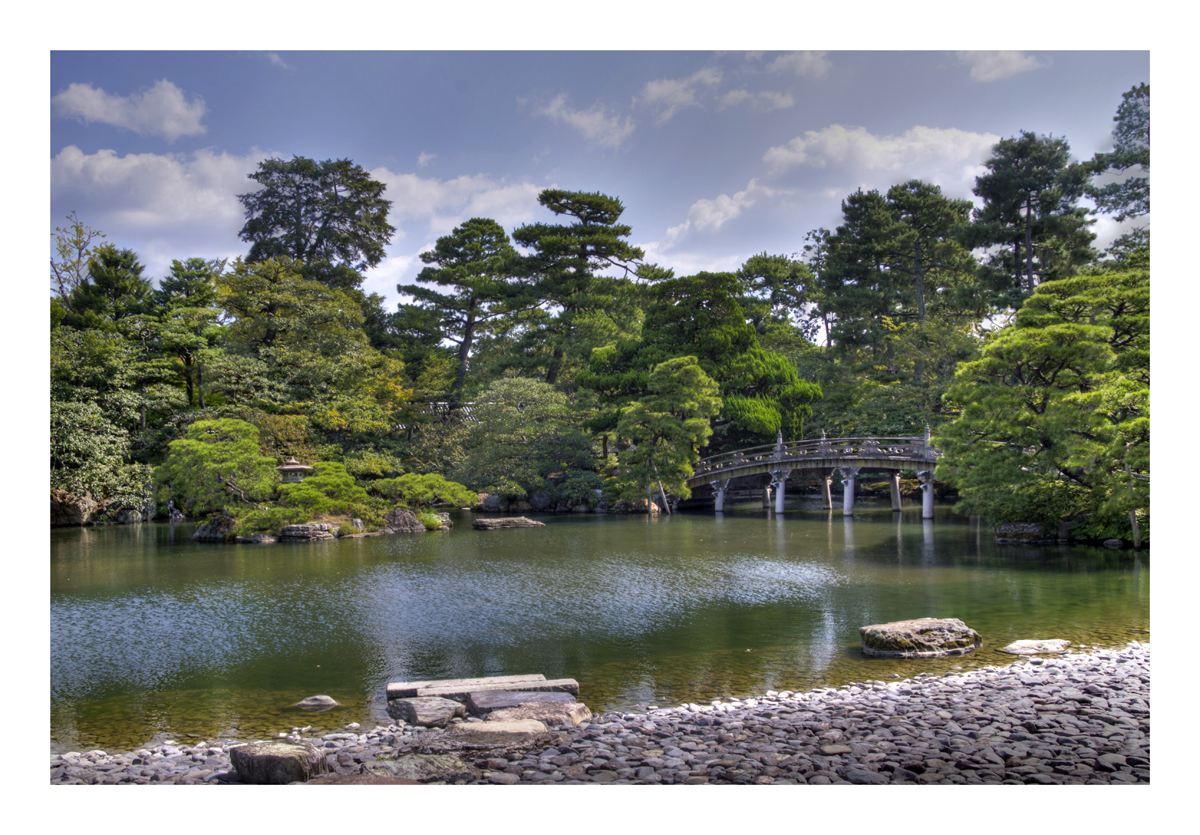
x,y
895,453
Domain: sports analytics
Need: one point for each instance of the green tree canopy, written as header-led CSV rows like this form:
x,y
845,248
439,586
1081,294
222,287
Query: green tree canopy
x,y
217,465
1130,197
423,490
474,264
583,306
1057,408
1029,212
667,428
329,211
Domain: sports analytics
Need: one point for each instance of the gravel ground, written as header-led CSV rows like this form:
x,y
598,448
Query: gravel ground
x,y
1075,718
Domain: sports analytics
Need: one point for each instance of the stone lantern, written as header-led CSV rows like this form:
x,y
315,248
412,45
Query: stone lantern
x,y
293,471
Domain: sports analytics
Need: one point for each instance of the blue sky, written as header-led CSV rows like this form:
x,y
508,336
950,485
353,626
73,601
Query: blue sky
x,y
715,155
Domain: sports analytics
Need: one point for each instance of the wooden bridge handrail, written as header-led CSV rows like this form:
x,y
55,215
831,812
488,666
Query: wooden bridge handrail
x,y
837,447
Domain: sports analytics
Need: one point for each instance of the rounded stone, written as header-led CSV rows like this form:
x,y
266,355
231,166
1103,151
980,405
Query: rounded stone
x,y
919,638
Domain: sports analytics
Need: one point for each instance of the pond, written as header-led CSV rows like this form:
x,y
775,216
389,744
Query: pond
x,y
153,636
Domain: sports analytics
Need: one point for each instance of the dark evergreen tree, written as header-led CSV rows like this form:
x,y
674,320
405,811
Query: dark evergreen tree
x,y
330,211
1030,214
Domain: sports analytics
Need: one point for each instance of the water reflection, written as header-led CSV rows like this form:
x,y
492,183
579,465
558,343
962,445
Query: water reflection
x,y
151,634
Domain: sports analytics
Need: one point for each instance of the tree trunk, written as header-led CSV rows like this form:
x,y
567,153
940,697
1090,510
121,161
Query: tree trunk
x,y
1029,244
464,353
552,374
188,364
200,384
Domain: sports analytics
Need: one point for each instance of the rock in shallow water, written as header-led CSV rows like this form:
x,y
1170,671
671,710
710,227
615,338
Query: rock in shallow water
x,y
919,638
316,704
1031,647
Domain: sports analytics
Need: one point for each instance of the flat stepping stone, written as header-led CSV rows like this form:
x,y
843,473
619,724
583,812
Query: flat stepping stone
x,y
407,689
508,522
361,780
426,711
551,714
557,685
483,702
1030,647
278,763
425,768
483,739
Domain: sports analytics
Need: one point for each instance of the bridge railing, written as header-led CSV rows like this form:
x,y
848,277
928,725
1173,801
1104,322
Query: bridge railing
x,y
913,448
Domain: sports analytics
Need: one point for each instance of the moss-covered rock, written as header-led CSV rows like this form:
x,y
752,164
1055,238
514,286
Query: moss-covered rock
x,y
216,529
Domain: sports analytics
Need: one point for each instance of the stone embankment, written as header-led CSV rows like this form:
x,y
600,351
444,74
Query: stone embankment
x,y
1077,718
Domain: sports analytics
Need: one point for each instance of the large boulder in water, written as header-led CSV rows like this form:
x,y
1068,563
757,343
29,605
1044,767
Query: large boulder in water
x,y
216,529
69,509
920,638
403,520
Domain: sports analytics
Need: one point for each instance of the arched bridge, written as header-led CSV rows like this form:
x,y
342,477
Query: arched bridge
x,y
849,456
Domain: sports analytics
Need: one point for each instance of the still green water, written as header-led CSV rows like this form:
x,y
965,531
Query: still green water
x,y
153,636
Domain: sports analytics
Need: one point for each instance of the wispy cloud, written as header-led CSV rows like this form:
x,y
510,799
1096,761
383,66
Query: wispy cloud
x,y
765,100
710,214
670,95
596,123
163,110
440,205
947,156
424,159
807,64
274,58
993,66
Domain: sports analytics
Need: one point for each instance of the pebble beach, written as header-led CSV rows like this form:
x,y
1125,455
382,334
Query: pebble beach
x,y
1077,718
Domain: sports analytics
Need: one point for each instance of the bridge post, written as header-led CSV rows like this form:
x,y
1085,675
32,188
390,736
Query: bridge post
x,y
926,479
719,491
849,474
826,496
896,492
767,496
778,477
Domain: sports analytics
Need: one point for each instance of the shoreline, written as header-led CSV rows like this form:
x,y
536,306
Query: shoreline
x,y
1080,717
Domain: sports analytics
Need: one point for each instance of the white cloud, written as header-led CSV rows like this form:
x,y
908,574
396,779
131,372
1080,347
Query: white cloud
x,y
163,110
153,191
811,64
709,215
595,123
946,155
672,94
993,66
424,159
277,61
766,100
443,204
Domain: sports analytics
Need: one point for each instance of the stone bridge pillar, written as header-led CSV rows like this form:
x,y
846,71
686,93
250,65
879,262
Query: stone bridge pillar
x,y
767,496
926,479
826,496
778,477
718,487
848,476
895,485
